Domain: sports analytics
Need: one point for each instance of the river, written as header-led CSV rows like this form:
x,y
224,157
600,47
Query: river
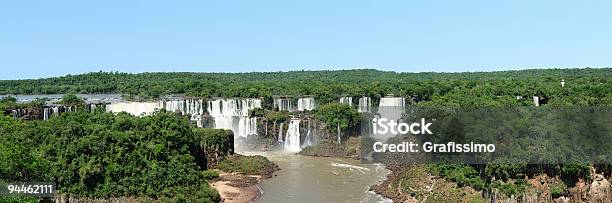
x,y
321,179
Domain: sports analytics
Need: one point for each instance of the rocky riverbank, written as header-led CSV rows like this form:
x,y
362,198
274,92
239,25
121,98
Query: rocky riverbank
x,y
236,187
239,176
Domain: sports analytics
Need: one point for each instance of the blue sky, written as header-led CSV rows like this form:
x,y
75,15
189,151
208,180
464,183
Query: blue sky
x,y
51,38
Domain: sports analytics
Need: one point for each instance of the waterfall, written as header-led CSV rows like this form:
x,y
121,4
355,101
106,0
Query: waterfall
x,y
339,140
392,101
55,111
292,138
306,103
134,108
390,108
16,114
46,113
247,126
280,133
346,100
365,103
225,112
536,101
284,104
309,140
192,107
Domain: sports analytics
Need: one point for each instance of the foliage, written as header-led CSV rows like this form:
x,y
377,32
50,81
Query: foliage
x,y
462,174
72,100
18,199
277,116
216,144
583,86
257,112
210,174
8,100
333,114
249,165
511,188
558,189
571,172
101,155
505,171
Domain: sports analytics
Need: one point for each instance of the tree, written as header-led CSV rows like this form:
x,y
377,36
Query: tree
x,y
72,100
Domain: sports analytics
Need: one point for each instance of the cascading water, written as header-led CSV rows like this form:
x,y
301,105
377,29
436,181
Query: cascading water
x,y
55,111
46,113
390,108
392,101
292,138
346,100
233,114
338,136
306,103
247,126
280,133
284,104
134,108
16,113
192,107
365,104
309,140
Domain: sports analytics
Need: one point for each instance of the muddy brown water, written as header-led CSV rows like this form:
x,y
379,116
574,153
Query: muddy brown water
x,y
320,179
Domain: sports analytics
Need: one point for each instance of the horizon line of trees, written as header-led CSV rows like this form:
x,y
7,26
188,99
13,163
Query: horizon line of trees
x,y
583,86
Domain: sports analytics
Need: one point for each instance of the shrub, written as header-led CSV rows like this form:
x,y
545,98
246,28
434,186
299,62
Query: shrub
x,y
516,187
72,100
558,189
249,165
210,174
463,175
277,116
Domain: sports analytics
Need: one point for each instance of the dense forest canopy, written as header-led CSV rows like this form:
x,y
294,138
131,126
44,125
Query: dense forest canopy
x,y
101,155
592,85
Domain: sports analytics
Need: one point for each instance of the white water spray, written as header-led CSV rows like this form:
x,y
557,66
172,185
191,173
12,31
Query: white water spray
x,y
284,104
292,138
306,103
392,101
339,139
309,139
226,112
134,108
280,133
365,103
346,100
